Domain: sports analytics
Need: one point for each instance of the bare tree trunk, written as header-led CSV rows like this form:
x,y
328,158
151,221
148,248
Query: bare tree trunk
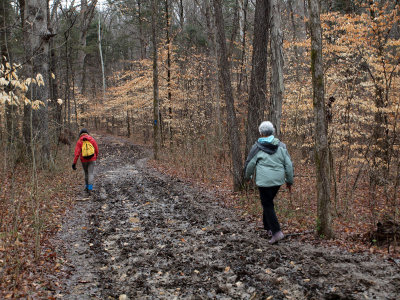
x,y
235,29
233,132
210,34
324,221
296,11
294,25
56,108
181,14
212,51
169,96
25,122
243,55
37,36
258,81
11,112
142,43
277,85
128,123
156,105
101,59
86,16
67,95
297,14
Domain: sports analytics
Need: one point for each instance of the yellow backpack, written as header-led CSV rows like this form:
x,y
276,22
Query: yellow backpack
x,y
87,149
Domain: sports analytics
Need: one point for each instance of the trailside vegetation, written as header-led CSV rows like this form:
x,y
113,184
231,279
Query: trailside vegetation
x,y
193,79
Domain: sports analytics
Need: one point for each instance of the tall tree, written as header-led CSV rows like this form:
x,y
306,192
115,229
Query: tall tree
x,y
243,54
53,81
141,35
5,20
37,36
101,58
85,18
168,41
235,28
10,111
156,104
324,221
296,12
258,81
224,71
181,14
277,86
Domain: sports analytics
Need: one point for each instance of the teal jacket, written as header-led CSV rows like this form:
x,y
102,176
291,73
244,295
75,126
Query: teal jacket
x,y
272,163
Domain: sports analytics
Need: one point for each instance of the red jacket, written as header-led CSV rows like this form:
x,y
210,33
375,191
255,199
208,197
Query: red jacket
x,y
78,148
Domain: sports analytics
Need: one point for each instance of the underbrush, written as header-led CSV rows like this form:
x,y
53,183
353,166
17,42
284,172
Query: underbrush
x,y
355,218
29,218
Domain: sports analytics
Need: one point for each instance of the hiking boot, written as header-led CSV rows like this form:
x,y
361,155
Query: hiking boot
x,y
89,189
269,233
276,237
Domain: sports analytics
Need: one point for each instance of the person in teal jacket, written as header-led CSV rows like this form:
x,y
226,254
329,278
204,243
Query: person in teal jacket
x,y
271,162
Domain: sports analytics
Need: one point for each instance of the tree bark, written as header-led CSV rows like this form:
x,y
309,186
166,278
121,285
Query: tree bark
x,y
156,105
37,36
258,81
277,85
181,15
10,111
209,23
243,54
101,59
235,29
223,66
67,88
297,13
169,96
54,107
5,12
128,123
324,221
85,16
141,36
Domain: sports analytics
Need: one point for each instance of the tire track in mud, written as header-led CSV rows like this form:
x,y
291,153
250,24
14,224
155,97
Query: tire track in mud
x,y
154,237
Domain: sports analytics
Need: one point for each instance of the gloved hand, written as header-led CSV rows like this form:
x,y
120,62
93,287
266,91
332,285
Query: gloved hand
x,y
73,166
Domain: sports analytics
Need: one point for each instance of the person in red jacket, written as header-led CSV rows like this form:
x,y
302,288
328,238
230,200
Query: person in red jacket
x,y
87,163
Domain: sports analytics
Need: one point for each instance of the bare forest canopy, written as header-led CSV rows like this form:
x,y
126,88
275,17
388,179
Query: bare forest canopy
x,y
194,78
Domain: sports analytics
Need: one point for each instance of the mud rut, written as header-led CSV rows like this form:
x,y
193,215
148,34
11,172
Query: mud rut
x,y
149,236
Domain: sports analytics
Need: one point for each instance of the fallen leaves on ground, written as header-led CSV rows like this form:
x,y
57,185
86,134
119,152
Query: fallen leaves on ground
x,y
22,274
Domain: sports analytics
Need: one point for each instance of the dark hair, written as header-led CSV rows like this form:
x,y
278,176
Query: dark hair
x,y
83,130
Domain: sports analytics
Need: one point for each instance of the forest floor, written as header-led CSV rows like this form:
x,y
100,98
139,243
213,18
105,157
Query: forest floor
x,y
145,235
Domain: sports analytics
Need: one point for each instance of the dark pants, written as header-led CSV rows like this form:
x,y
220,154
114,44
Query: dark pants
x,y
88,168
267,195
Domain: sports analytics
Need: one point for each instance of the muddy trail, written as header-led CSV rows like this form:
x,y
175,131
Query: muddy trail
x,y
144,235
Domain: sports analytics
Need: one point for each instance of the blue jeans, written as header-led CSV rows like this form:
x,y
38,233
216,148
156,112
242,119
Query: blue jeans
x,y
270,220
